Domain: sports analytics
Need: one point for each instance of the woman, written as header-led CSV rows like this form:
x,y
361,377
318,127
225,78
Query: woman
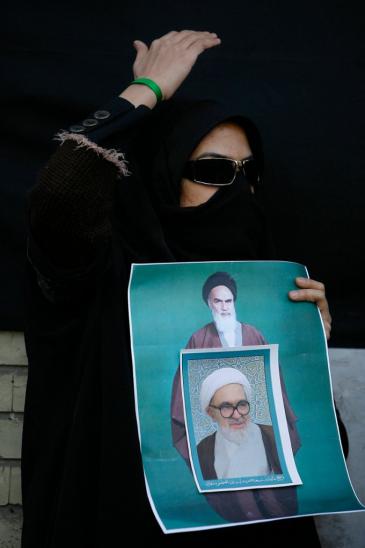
x,y
88,221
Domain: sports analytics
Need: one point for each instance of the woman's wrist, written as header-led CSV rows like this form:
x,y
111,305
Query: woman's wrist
x,y
139,95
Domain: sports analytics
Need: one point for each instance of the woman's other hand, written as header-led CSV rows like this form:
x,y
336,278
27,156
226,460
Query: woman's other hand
x,y
313,291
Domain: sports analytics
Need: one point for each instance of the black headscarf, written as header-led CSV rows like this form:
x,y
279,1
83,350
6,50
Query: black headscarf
x,y
231,225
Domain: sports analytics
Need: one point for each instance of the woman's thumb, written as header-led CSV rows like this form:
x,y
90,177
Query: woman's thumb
x,y
139,46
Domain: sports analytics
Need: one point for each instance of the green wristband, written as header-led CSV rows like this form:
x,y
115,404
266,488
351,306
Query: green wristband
x,y
152,85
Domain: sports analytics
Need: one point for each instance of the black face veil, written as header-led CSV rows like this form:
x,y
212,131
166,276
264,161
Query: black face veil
x,y
231,225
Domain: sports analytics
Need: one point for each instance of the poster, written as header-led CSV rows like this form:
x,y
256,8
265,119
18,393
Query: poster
x,y
259,440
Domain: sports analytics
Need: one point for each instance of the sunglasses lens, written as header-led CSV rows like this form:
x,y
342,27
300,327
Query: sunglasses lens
x,y
251,172
214,171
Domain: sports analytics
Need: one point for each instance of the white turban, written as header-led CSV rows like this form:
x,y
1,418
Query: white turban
x,y
219,378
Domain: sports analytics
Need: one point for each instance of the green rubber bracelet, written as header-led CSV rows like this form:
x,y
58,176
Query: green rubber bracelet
x,y
152,85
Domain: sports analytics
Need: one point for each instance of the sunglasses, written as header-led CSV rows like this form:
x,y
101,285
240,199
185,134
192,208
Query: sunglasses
x,y
221,171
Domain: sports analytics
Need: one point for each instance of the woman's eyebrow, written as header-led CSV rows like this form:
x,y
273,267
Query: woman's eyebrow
x,y
211,154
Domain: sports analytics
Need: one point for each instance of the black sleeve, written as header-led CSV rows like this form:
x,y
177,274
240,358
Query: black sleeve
x,y
68,208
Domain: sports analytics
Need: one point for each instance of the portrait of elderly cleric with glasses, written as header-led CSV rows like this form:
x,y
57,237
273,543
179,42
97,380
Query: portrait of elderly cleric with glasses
x,y
239,447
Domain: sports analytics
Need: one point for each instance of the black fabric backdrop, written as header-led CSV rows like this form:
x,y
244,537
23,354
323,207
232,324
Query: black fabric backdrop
x,y
296,68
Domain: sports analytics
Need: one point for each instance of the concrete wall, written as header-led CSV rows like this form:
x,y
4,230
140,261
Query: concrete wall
x,y
13,379
348,378
336,531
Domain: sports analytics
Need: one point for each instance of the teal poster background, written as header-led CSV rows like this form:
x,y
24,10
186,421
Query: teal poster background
x,y
166,308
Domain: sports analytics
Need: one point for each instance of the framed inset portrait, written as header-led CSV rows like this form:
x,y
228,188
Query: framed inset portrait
x,y
234,412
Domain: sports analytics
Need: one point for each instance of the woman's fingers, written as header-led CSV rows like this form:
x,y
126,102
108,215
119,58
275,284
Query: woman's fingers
x,y
169,34
314,296
308,282
188,37
201,45
188,40
197,44
315,292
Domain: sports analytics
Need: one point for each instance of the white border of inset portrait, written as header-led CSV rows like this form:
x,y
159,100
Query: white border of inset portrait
x,y
195,366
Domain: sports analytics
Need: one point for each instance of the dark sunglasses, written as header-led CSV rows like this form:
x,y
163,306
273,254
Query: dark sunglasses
x,y
221,171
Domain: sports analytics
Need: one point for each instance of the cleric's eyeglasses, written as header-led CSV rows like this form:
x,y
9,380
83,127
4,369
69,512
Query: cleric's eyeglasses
x,y
227,409
221,171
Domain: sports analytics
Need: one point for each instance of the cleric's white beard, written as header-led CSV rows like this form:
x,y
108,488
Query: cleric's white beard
x,y
225,324
235,436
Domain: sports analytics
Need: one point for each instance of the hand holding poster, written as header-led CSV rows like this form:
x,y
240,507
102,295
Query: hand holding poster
x,y
263,447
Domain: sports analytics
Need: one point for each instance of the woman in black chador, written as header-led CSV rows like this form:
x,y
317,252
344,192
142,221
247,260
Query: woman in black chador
x,y
123,186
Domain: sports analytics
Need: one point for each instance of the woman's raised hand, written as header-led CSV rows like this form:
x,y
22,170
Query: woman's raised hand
x,y
168,60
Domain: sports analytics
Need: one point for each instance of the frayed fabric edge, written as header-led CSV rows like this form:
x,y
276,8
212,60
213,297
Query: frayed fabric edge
x,y
112,155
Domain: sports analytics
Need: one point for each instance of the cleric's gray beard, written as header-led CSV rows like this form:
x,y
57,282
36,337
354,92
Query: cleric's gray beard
x,y
225,324
235,436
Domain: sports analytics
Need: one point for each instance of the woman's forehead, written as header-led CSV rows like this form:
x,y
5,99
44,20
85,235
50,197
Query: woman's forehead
x,y
227,139
226,128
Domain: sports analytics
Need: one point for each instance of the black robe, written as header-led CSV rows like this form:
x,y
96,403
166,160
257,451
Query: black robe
x,y
82,474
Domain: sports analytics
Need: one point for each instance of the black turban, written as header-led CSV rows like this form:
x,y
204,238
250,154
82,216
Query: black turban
x,y
219,278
